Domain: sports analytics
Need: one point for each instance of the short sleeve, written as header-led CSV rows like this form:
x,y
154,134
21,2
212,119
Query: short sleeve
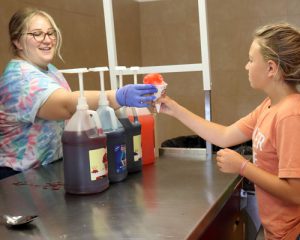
x,y
287,144
248,123
27,88
39,88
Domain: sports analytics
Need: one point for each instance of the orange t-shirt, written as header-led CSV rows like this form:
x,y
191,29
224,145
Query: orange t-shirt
x,y
275,136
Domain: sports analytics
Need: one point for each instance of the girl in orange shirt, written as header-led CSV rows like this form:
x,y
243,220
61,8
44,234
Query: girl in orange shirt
x,y
274,127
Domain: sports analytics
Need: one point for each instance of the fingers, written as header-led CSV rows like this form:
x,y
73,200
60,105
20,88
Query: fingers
x,y
150,91
164,99
220,159
147,98
220,165
228,161
142,104
220,153
148,88
144,101
223,151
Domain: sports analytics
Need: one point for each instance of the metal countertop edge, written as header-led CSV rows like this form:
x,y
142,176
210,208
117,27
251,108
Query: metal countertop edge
x,y
211,213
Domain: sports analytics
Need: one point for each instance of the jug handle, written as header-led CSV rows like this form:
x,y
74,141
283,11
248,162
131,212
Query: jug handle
x,y
135,115
113,119
95,118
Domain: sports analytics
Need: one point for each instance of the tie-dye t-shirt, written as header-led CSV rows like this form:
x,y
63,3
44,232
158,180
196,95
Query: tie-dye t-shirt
x,y
26,140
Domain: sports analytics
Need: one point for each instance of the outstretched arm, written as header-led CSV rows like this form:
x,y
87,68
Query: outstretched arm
x,y
61,104
223,136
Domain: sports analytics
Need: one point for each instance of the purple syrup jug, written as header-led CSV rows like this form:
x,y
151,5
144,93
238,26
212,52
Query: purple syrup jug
x,y
84,153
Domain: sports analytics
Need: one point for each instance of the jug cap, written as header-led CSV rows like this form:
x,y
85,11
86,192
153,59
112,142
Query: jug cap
x,y
103,99
82,104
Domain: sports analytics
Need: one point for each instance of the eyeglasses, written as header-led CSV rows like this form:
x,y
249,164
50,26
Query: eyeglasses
x,y
40,36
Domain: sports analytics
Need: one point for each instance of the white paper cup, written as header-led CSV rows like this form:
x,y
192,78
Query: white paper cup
x,y
160,90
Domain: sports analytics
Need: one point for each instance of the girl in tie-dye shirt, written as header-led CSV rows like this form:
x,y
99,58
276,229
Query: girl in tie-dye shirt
x,y
28,136
26,140
35,99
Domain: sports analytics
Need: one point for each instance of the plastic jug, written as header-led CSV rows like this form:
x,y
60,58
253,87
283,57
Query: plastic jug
x,y
115,133
84,151
146,120
133,141
133,135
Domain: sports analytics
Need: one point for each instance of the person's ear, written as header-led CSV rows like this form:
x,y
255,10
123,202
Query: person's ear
x,y
272,68
18,44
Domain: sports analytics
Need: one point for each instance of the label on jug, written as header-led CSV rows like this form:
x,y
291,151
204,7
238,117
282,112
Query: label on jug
x,y
137,147
98,163
120,158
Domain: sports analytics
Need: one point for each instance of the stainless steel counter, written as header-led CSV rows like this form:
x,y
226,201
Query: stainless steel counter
x,y
173,199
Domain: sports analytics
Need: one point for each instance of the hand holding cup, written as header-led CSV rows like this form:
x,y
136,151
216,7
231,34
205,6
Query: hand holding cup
x,y
157,80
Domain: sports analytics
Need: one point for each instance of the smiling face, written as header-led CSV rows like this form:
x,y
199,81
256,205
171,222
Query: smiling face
x,y
38,52
258,67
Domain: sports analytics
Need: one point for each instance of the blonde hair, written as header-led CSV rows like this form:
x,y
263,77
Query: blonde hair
x,y
280,42
18,24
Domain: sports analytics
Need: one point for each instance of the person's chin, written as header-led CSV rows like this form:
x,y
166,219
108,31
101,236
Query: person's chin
x,y
47,55
48,59
251,84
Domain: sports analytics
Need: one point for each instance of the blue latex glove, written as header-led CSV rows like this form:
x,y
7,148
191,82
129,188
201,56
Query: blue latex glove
x,y
133,95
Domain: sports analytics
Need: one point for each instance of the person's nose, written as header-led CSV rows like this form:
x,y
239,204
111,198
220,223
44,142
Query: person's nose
x,y
246,66
47,38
